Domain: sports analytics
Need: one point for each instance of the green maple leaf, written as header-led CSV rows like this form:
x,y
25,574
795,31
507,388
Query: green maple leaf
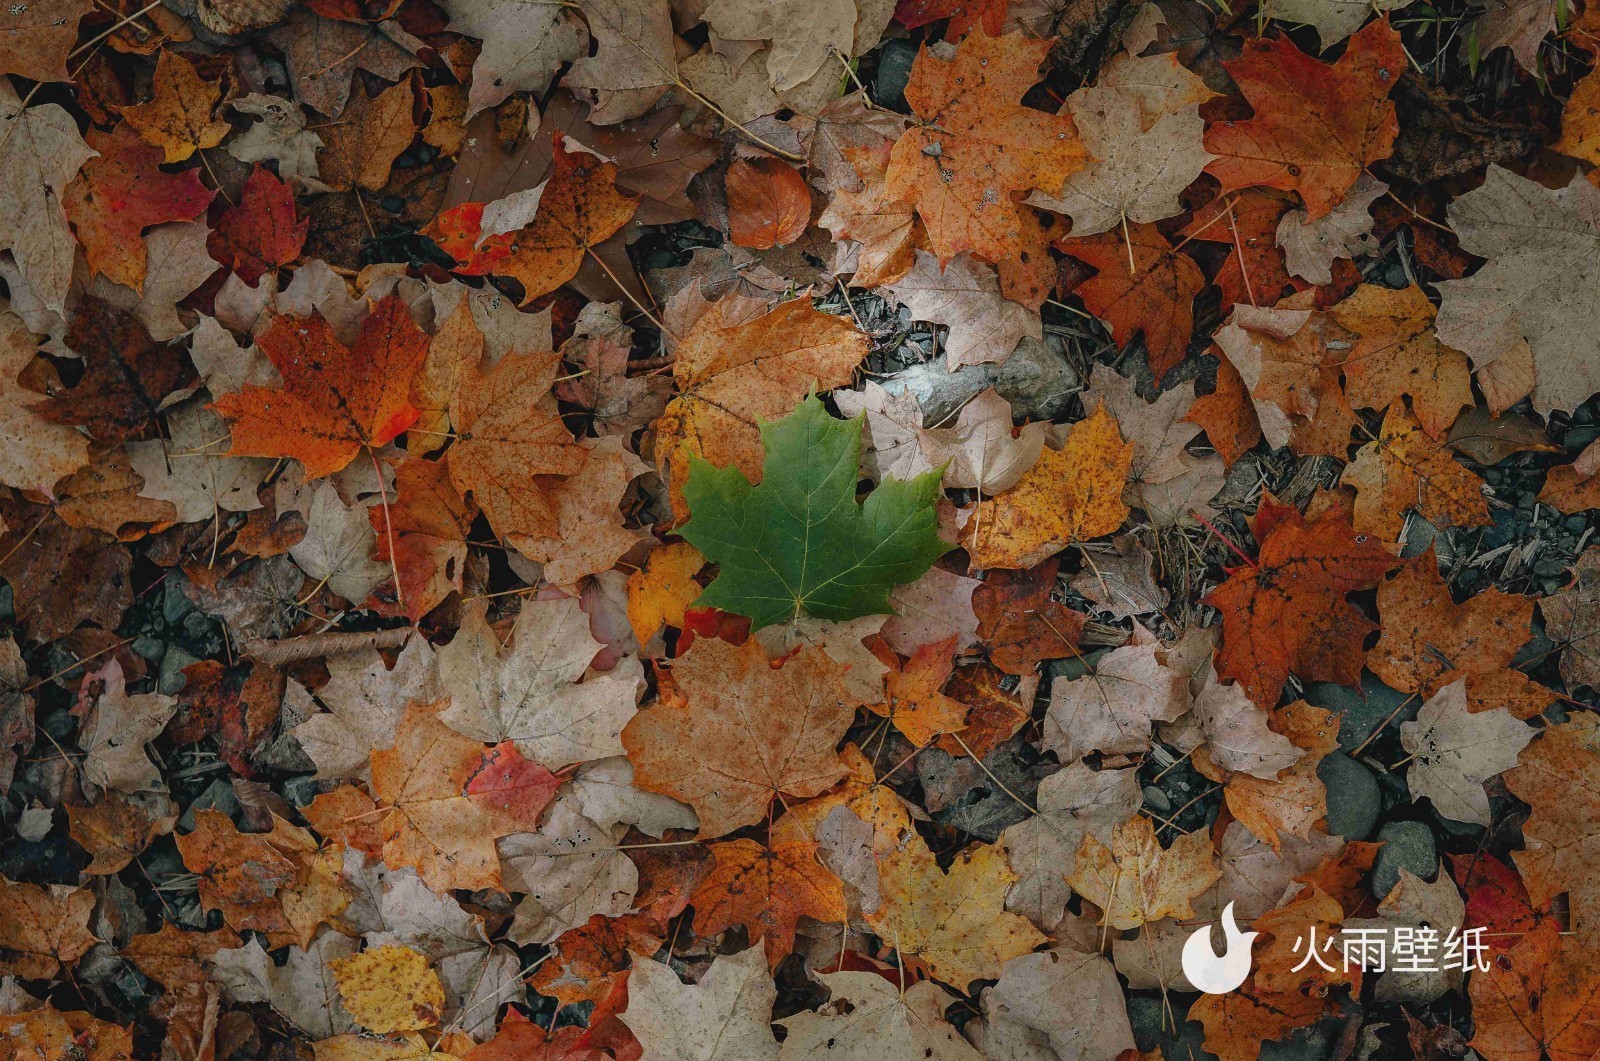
x,y
799,542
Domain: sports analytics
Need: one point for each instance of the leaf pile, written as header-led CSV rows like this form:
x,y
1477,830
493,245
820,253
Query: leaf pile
x,y
764,529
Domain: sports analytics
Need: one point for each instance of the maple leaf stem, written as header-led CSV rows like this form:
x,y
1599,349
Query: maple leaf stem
x,y
1185,241
1127,242
981,766
220,189
1173,820
914,753
1380,727
1175,764
850,72
1238,249
1240,553
651,317
24,106
92,41
1094,567
364,216
494,998
74,666
1070,309
351,54
1418,215
787,156
518,591
388,530
844,291
24,539
303,601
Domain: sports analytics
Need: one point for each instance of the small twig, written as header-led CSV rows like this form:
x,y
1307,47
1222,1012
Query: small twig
x,y
1238,248
984,767
313,646
24,539
206,162
651,317
787,156
74,666
1380,727
388,530
1240,553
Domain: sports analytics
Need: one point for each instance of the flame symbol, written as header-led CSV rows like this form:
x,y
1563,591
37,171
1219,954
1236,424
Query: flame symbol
x,y
1218,975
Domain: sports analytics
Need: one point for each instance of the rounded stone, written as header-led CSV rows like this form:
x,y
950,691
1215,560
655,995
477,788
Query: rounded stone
x,y
1406,845
1354,799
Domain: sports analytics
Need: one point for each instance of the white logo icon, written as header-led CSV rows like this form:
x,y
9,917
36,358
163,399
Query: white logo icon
x,y
1218,975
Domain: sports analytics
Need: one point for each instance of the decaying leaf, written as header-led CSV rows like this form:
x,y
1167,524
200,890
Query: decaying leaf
x,y
1286,612
1135,881
954,922
723,1017
1070,495
1454,750
727,762
974,145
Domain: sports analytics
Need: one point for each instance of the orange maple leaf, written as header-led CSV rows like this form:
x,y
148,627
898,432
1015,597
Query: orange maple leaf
x,y
1143,285
180,117
278,883
1296,799
588,961
1404,469
768,889
1287,613
1227,415
768,203
1071,495
1316,127
423,533
1238,1022
449,798
43,928
1254,272
1398,352
1539,999
335,400
578,209
120,194
975,145
911,697
1557,775
746,732
509,438
737,366
1429,641
1019,621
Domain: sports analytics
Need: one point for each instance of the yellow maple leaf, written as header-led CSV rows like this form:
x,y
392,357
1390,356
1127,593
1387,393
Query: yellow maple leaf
x,y
956,923
1135,881
659,591
390,989
180,116
1071,495
1405,469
